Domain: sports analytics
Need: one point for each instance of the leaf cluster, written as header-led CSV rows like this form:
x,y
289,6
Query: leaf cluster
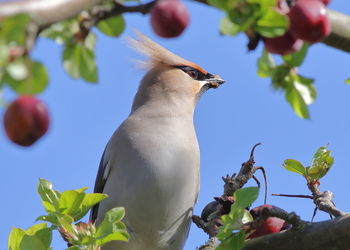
x,y
18,35
17,70
262,17
321,163
78,55
258,15
64,210
299,90
230,233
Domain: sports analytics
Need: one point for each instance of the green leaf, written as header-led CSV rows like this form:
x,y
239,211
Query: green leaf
x,y
221,4
227,27
226,229
244,197
280,76
245,16
294,166
36,237
79,61
74,248
115,214
26,77
15,238
89,201
66,221
247,217
49,218
113,26
305,88
111,228
70,202
235,242
31,242
90,41
265,64
4,53
297,101
41,232
230,223
49,197
238,214
108,232
272,24
13,29
18,69
321,164
297,58
347,81
62,32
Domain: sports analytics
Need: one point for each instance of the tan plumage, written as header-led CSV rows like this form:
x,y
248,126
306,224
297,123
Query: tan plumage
x,y
151,164
157,54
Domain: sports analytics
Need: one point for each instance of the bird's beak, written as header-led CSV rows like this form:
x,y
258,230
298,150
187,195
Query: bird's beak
x,y
215,82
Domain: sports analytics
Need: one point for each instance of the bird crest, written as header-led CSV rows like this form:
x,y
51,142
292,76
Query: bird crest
x,y
157,54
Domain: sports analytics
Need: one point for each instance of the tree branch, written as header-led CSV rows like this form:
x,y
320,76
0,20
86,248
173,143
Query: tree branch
x,y
46,12
324,200
99,13
325,235
340,26
340,29
245,174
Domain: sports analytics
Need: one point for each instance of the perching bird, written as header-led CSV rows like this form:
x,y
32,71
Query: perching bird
x,y
150,165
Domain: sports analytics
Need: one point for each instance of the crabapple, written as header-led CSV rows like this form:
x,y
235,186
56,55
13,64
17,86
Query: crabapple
x,y
26,120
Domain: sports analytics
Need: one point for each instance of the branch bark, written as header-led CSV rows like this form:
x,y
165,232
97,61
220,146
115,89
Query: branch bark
x,y
325,235
340,26
46,12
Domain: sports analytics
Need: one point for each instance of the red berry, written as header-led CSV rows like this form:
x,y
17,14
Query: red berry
x,y
169,18
271,225
282,45
26,120
325,2
209,209
309,21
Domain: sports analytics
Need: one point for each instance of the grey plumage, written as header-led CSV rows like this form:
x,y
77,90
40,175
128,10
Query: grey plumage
x,y
151,163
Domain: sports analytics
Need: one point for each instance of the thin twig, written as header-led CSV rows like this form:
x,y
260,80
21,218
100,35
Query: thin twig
x,y
98,13
257,181
266,182
294,195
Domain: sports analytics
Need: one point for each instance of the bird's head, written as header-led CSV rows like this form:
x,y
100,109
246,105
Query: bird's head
x,y
169,76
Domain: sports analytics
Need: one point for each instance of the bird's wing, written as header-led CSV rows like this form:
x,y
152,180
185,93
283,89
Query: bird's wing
x,y
100,181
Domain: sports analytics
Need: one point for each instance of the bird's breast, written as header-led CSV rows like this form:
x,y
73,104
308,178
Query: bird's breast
x,y
155,177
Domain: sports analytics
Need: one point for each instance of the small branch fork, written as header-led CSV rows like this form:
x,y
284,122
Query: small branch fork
x,y
246,172
209,221
222,205
323,200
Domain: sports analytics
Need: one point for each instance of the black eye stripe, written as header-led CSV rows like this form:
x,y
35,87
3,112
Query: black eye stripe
x,y
194,73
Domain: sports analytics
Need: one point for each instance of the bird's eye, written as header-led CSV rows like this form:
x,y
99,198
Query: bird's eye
x,y
193,73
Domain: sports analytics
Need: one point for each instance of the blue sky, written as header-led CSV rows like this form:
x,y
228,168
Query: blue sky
x,y
229,121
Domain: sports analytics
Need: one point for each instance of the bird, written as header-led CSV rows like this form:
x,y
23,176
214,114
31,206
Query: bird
x,y
150,165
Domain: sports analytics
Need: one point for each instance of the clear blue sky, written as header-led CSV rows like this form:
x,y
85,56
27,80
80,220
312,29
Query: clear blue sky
x,y
229,121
